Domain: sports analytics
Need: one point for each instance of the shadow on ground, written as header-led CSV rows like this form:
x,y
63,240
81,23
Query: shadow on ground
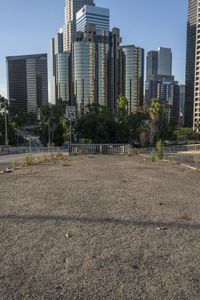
x,y
93,220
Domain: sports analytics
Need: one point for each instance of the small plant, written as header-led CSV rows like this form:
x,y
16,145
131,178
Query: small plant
x,y
59,155
160,149
153,156
28,160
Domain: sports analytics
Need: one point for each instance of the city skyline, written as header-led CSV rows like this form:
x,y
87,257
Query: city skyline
x,y
37,43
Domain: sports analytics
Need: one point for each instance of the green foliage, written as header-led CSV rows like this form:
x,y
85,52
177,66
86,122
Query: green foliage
x,y
153,156
28,159
184,134
121,110
85,141
160,149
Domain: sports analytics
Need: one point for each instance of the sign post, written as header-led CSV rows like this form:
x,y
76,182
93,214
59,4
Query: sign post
x,y
71,116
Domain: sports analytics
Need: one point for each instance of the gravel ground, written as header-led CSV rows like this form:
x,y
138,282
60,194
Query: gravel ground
x,y
104,227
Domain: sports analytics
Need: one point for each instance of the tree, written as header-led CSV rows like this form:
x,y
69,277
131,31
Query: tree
x,y
156,112
121,112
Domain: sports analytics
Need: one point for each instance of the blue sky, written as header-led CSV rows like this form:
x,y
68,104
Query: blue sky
x,y
26,27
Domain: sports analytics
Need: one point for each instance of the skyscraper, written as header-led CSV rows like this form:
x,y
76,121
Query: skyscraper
x,y
164,61
113,79
132,75
63,82
196,109
93,15
27,82
190,62
69,29
56,47
159,69
151,75
85,69
91,67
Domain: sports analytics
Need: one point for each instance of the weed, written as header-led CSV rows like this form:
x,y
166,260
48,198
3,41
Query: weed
x,y
160,150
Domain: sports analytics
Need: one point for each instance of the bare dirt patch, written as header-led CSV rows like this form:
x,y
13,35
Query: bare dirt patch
x,y
90,231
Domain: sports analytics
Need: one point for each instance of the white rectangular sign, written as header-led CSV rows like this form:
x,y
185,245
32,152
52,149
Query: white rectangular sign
x,y
71,112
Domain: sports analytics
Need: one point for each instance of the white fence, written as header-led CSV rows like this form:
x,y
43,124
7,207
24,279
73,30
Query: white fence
x,y
99,149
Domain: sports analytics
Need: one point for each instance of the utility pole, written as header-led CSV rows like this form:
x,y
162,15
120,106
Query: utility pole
x,y
6,129
71,115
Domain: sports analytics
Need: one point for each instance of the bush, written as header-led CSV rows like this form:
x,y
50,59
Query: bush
x,y
28,159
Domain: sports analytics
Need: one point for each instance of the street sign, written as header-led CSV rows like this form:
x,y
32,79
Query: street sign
x,y
71,112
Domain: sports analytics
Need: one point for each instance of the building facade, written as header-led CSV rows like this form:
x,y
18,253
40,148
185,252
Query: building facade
x,y
89,14
196,109
164,61
56,47
69,29
190,62
91,67
132,76
63,82
27,82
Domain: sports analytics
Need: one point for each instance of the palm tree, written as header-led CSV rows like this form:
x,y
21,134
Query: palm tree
x,y
156,111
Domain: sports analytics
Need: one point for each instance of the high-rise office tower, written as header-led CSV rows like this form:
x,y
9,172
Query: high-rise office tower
x,y
196,114
27,82
85,69
190,62
61,70
151,75
113,79
152,65
93,15
159,69
69,29
164,61
91,67
63,79
132,75
56,47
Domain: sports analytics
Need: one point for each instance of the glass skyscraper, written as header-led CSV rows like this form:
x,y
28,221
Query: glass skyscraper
x,y
190,62
98,16
27,81
63,76
132,75
196,111
69,29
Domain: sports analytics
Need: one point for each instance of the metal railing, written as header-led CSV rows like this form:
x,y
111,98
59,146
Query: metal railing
x,y
99,149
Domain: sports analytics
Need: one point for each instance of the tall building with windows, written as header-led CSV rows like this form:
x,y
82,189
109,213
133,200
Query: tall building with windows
x,y
93,15
164,61
151,75
113,79
91,67
27,82
132,75
190,62
196,106
159,69
63,79
69,29
56,47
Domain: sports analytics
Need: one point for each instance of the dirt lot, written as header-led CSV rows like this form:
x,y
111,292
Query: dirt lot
x,y
109,227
